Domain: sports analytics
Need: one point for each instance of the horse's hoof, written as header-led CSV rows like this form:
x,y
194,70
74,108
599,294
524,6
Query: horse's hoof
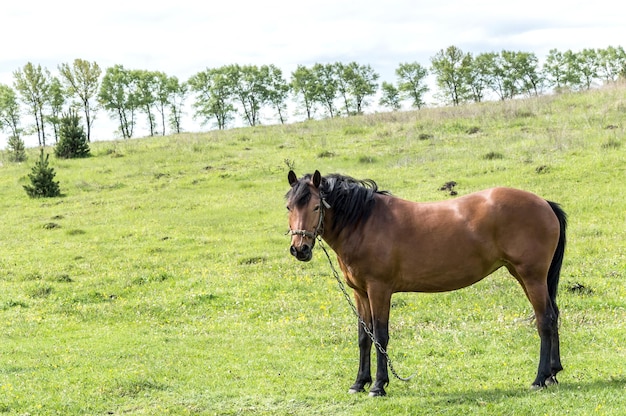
x,y
550,381
378,393
356,391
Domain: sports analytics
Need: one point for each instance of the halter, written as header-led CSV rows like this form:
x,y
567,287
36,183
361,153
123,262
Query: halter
x,y
319,230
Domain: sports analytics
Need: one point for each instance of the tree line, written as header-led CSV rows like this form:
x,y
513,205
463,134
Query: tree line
x,y
219,95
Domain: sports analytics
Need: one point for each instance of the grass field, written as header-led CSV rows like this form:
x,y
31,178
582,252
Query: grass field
x,y
161,281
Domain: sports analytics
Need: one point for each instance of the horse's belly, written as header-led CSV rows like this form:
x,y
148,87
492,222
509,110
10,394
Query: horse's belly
x,y
444,279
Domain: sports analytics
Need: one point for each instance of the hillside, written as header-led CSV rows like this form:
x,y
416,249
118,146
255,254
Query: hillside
x,y
161,282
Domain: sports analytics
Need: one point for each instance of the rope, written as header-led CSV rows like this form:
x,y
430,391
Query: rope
x,y
379,347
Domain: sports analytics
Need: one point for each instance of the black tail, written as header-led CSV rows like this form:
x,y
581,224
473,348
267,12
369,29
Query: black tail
x,y
555,267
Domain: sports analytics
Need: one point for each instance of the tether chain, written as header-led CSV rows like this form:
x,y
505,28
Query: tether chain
x,y
379,347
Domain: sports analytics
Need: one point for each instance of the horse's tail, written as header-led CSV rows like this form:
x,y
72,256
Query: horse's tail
x,y
555,267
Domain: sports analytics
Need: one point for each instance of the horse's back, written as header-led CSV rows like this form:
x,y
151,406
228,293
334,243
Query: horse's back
x,y
498,207
527,227
512,219
451,244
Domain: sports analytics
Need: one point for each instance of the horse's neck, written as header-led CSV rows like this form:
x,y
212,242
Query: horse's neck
x,y
352,240
341,241
331,236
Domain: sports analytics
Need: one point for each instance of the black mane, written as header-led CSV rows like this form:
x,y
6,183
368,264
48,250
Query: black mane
x,y
351,200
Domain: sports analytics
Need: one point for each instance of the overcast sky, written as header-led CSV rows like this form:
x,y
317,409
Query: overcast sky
x,y
183,37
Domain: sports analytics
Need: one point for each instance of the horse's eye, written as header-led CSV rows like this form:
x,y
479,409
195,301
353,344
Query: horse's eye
x,y
317,208
288,208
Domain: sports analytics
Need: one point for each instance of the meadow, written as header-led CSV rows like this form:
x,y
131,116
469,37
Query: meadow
x,y
161,283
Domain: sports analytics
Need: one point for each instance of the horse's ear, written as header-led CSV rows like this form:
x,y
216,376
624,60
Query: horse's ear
x,y
292,177
317,179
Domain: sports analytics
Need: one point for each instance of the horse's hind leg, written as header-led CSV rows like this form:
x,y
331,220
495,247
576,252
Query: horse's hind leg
x,y
555,353
546,314
547,326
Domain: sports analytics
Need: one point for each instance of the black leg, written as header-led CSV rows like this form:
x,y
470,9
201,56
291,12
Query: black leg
x,y
555,353
364,376
381,334
546,325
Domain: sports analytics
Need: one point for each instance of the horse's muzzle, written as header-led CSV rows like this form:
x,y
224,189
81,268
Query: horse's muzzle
x,y
302,253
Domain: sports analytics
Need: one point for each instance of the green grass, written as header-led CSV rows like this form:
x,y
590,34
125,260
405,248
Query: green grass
x,y
161,282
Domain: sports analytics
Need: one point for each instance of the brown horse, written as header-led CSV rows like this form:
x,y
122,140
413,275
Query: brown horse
x,y
385,244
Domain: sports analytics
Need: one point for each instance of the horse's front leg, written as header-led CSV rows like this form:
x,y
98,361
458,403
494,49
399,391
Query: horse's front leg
x,y
364,376
380,304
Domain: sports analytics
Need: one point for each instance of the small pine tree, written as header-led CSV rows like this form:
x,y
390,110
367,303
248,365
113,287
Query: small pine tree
x,y
42,180
72,137
16,149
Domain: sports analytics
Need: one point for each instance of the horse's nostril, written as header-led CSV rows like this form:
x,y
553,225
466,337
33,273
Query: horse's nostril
x,y
306,250
293,251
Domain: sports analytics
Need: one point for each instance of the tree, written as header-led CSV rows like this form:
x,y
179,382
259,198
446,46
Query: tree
x,y
82,81
146,94
571,70
411,84
588,64
480,76
277,91
612,63
162,94
213,96
342,86
10,120
73,140
303,85
118,94
42,179
524,71
555,69
56,102
512,73
361,82
508,72
248,86
326,86
33,84
451,67
9,111
16,149
390,96
178,94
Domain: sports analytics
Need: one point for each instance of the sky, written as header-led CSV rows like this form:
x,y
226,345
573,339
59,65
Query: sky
x,y
184,37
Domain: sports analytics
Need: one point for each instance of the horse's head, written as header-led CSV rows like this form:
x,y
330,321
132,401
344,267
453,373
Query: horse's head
x,y
306,213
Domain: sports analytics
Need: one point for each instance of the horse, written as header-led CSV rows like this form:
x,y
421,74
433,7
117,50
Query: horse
x,y
385,244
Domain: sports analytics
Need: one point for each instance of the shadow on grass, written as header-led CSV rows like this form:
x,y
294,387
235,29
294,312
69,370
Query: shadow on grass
x,y
498,394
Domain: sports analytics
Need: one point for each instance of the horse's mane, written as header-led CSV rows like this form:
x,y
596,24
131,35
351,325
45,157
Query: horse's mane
x,y
352,200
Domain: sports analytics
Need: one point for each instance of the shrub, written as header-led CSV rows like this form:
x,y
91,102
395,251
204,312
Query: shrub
x,y
367,159
493,156
425,136
42,180
16,149
326,154
72,137
611,144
